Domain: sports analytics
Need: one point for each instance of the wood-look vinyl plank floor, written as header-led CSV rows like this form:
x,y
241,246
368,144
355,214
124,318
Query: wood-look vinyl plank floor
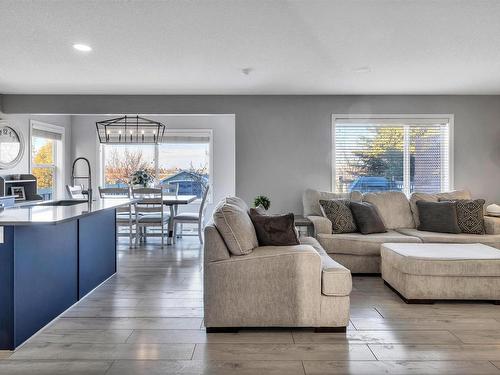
x,y
148,319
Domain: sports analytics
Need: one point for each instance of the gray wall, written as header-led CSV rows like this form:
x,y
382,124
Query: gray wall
x,y
283,143
22,123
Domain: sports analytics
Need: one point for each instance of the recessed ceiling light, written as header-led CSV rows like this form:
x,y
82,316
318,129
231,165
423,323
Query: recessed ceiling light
x,y
82,47
362,69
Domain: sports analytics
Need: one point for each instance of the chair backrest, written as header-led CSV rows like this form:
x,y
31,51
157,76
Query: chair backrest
x,y
75,192
151,200
116,193
203,205
140,193
170,189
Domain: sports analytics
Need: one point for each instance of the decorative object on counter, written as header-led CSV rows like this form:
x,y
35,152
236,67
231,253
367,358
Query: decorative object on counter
x,y
493,210
130,130
262,200
142,178
19,192
11,145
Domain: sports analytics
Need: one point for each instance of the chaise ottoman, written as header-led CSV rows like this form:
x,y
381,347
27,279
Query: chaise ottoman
x,y
423,273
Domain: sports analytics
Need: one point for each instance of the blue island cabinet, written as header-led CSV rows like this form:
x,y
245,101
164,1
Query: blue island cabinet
x,y
46,268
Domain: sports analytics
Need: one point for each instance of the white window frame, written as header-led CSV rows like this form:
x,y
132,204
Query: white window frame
x,y
399,118
168,131
58,165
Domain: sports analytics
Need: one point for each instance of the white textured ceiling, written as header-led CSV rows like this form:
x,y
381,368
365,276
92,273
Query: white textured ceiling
x,y
292,47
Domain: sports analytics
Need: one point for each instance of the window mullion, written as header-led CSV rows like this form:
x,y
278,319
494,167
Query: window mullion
x,y
406,160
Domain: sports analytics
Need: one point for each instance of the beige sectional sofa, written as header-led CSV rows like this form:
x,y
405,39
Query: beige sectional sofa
x,y
361,253
272,286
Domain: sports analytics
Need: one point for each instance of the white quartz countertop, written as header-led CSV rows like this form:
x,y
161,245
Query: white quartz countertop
x,y
42,214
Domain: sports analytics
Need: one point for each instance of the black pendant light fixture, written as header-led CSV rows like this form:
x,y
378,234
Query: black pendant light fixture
x,y
130,130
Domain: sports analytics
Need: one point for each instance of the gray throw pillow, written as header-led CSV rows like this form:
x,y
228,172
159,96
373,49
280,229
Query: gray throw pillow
x,y
274,230
438,217
339,213
470,215
367,218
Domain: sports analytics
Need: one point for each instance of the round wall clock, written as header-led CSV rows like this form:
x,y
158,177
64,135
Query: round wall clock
x,y
11,145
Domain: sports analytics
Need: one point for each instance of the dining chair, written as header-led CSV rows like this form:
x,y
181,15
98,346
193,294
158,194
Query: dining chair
x,y
149,212
170,189
193,217
124,215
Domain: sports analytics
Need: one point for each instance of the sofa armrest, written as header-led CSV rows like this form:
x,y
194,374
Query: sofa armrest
x,y
321,225
270,286
492,224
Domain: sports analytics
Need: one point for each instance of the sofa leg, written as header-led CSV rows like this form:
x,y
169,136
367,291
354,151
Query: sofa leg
x,y
330,329
221,329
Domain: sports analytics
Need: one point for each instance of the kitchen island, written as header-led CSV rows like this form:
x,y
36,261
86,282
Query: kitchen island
x,y
51,255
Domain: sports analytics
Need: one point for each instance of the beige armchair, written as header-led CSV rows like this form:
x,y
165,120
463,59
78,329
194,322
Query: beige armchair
x,y
273,286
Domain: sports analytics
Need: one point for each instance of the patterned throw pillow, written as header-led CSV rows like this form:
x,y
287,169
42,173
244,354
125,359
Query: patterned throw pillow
x,y
339,213
470,214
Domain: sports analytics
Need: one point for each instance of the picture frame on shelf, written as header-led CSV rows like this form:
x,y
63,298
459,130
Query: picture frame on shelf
x,y
19,192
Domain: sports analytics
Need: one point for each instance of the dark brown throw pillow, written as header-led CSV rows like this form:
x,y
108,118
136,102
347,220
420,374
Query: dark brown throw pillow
x,y
367,218
438,217
470,215
274,230
339,213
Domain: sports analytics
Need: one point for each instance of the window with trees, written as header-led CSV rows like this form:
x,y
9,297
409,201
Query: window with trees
x,y
183,159
395,153
46,159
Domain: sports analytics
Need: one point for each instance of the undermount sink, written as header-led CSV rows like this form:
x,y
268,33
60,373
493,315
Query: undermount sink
x,y
67,202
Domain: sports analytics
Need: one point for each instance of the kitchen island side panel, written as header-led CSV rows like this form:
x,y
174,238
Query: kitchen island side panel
x,y
45,275
97,249
7,289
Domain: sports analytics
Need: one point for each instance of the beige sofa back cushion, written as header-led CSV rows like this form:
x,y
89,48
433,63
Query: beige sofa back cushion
x,y
235,227
311,197
393,207
416,196
237,202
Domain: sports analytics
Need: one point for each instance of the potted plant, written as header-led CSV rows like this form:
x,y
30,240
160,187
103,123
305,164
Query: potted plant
x,y
141,178
262,200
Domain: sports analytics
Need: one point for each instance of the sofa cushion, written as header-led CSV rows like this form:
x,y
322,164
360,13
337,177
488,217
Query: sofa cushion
x,y
237,202
339,213
430,237
274,230
451,195
393,207
336,280
311,197
438,217
235,227
442,259
361,244
367,219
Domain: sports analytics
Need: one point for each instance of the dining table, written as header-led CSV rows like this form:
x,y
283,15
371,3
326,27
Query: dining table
x,y
173,202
